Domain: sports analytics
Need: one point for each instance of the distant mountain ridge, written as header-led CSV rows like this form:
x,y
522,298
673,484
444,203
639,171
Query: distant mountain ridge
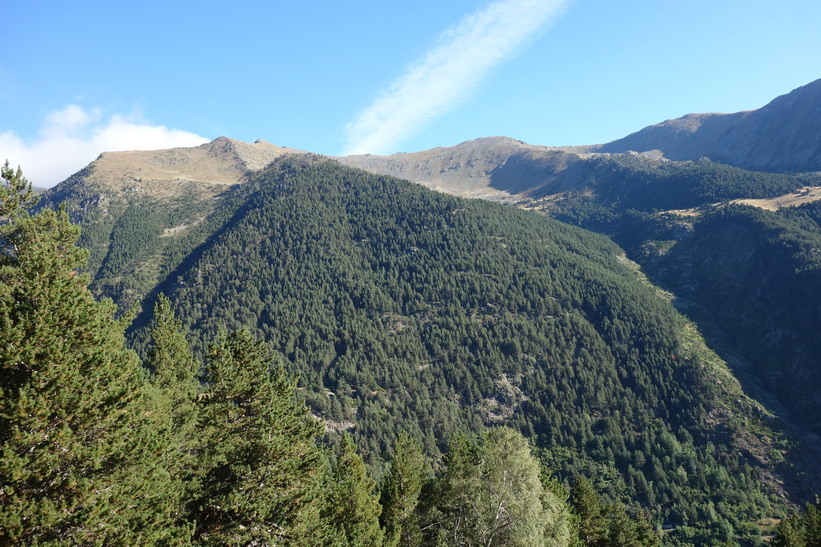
x,y
490,167
164,173
781,136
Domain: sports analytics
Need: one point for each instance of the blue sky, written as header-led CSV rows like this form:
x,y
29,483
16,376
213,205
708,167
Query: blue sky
x,y
79,78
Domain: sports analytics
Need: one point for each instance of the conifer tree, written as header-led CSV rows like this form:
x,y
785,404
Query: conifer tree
x,y
263,469
801,529
608,525
589,512
174,379
78,462
170,358
354,506
400,492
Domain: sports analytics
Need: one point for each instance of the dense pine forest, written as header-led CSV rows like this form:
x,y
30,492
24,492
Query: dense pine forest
x,y
754,273
387,324
101,448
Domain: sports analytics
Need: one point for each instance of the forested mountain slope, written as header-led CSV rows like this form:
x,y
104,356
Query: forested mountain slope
x,y
99,448
637,199
134,205
404,309
759,274
741,273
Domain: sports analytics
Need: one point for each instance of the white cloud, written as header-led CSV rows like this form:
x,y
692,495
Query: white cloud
x,y
451,69
73,137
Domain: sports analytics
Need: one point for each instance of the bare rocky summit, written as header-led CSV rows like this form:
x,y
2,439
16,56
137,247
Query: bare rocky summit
x,y
493,168
781,136
205,170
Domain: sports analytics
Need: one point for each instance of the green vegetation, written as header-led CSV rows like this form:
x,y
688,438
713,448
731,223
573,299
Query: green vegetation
x,y
262,471
402,309
407,314
490,492
133,240
754,272
759,273
627,182
98,450
801,529
78,429
401,488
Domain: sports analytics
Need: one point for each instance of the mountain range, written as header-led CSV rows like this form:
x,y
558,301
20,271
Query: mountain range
x,y
403,309
781,136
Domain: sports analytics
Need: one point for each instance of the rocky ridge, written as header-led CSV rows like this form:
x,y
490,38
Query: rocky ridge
x,y
781,136
206,169
494,168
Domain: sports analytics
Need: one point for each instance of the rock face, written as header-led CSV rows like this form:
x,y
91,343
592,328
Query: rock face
x,y
781,136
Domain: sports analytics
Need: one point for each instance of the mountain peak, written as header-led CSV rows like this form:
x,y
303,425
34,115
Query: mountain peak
x,y
160,173
491,167
493,141
780,136
252,156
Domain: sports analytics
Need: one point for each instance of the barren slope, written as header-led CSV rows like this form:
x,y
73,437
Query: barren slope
x,y
164,173
493,168
781,136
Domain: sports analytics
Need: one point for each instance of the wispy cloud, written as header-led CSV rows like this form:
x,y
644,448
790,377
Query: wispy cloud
x,y
69,139
450,70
